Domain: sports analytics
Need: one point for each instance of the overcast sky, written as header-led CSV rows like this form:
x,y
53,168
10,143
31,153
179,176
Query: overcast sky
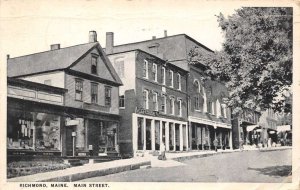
x,y
33,27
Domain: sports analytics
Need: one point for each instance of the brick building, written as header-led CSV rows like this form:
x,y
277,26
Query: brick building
x,y
89,122
153,103
208,115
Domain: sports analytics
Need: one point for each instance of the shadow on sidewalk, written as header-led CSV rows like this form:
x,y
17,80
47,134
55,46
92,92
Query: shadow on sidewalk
x,y
280,171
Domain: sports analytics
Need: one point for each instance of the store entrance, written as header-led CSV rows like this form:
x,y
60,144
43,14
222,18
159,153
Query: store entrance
x,y
69,140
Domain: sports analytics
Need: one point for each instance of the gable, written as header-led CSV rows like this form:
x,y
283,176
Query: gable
x,y
105,69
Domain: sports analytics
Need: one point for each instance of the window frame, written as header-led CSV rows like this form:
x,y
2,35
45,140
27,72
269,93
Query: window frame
x,y
93,90
145,69
171,75
154,72
164,104
163,75
92,65
122,99
155,103
107,99
78,90
180,107
146,99
179,81
172,106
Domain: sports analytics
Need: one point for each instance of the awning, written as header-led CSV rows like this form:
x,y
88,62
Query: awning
x,y
251,127
283,128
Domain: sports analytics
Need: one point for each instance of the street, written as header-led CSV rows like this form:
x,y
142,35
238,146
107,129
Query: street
x,y
247,166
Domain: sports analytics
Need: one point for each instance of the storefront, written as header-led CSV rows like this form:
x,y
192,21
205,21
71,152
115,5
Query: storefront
x,y
150,132
204,132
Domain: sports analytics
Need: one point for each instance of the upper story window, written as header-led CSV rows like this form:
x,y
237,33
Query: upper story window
x,y
218,108
146,99
119,66
213,108
180,107
145,69
94,93
107,96
171,79
155,103
163,75
197,102
224,114
154,72
164,104
122,101
179,81
209,108
172,106
94,64
78,89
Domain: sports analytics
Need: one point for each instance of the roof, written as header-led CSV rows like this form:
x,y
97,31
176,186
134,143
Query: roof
x,y
47,61
163,38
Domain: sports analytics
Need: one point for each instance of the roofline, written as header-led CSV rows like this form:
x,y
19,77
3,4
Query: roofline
x,y
50,50
11,81
187,36
166,61
36,73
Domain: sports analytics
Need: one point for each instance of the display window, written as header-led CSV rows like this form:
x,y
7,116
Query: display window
x,y
33,131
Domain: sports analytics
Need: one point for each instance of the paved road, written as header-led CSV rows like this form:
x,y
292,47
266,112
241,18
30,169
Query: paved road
x,y
247,166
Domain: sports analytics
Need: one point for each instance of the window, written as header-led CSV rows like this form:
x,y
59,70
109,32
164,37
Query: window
x,y
119,66
94,65
163,105
172,106
209,107
179,81
197,102
107,96
218,108
78,89
47,82
213,108
155,104
145,69
163,75
171,78
224,114
94,93
145,99
122,101
180,107
204,101
154,72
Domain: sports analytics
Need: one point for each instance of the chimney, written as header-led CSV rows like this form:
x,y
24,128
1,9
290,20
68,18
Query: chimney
x,y
153,37
7,56
165,32
92,36
55,46
109,42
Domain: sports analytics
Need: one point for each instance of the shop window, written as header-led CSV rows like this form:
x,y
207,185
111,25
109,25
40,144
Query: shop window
x,y
33,131
145,69
154,72
78,89
94,65
94,93
107,96
122,101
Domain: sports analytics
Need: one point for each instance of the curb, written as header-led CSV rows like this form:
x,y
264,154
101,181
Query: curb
x,y
88,174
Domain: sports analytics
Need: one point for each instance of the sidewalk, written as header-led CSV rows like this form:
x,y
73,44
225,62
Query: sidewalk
x,y
106,168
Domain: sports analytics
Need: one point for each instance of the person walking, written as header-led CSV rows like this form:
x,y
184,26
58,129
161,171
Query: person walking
x,y
216,144
162,155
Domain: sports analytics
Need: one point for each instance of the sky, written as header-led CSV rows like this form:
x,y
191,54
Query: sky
x,y
32,27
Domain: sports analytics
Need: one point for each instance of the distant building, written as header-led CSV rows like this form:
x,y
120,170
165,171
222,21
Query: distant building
x,y
208,115
153,103
89,122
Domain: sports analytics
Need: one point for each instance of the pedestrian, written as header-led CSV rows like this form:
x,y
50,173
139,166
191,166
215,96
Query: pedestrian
x,y
162,155
241,144
216,144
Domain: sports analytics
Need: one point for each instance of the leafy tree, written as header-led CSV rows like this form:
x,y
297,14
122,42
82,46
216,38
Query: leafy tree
x,y
255,62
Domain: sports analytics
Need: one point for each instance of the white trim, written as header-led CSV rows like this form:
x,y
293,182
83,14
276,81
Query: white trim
x,y
155,70
160,119
179,81
208,122
164,78
172,74
147,69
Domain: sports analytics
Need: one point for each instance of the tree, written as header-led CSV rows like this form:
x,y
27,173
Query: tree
x,y
255,62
